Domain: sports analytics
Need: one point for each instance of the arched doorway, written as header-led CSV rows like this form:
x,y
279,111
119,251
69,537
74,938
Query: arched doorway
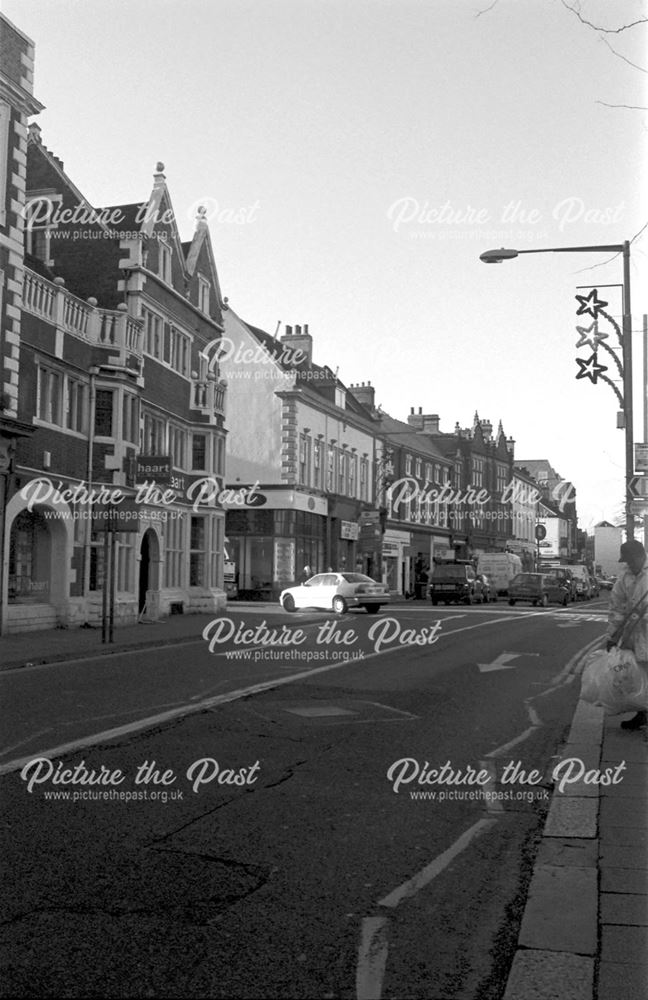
x,y
148,566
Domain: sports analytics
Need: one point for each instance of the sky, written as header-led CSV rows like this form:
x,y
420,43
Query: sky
x,y
356,157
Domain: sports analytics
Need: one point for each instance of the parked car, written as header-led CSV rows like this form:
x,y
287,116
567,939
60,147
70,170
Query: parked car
x,y
336,592
489,591
584,589
455,583
538,588
566,577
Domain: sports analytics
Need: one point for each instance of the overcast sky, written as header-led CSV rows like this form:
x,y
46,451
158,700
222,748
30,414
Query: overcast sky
x,y
356,158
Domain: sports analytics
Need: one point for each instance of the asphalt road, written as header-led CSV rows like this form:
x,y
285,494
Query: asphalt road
x,y
271,826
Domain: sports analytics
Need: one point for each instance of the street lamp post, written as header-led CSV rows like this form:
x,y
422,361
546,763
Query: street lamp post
x,y
497,256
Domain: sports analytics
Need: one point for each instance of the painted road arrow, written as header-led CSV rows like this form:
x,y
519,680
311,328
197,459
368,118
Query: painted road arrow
x,y
502,662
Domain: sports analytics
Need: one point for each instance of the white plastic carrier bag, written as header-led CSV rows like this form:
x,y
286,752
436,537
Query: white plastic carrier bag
x,y
615,681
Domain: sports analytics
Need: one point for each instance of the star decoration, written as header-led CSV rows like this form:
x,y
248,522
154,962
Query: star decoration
x,y
590,304
590,369
594,341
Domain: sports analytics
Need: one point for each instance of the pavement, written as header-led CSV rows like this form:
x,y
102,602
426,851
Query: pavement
x,y
584,931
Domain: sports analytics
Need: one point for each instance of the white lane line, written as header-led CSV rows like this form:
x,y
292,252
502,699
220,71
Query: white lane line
x,y
440,863
493,805
511,743
372,958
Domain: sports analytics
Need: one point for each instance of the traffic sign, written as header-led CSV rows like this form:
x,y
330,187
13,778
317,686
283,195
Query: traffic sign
x,y
638,487
641,457
540,532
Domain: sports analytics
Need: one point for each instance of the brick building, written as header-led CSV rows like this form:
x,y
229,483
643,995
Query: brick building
x,y
117,317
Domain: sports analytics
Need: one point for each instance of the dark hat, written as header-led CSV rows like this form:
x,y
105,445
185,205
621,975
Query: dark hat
x,y
630,549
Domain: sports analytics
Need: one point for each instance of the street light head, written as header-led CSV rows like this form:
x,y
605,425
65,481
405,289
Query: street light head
x,y
497,256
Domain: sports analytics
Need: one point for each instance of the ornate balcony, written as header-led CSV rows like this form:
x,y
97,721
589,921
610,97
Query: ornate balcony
x,y
111,328
208,396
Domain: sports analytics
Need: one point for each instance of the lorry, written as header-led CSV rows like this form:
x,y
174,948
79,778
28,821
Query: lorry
x,y
500,568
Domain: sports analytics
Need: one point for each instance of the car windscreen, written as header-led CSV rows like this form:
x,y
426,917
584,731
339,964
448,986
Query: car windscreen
x,y
449,573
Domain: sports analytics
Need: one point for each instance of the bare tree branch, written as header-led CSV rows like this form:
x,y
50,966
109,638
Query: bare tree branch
x,y
597,27
619,56
630,107
486,9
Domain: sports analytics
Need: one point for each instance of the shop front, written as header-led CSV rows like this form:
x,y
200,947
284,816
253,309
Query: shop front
x,y
272,543
395,560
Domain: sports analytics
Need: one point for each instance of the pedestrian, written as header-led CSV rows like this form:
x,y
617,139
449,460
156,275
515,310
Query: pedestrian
x,y
306,574
628,615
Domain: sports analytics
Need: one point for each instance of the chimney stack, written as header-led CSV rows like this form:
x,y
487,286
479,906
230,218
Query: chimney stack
x,y
297,347
365,394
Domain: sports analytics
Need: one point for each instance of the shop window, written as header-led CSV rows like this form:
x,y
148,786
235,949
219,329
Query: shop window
x,y
30,556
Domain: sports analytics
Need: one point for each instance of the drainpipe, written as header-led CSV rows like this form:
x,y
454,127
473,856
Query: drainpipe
x,y
94,371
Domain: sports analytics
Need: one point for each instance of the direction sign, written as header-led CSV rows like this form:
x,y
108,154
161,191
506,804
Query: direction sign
x,y
638,487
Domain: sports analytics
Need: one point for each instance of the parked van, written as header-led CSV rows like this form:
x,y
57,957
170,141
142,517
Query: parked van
x,y
500,568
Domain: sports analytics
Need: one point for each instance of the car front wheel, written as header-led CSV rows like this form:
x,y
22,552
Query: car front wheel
x,y
289,603
339,605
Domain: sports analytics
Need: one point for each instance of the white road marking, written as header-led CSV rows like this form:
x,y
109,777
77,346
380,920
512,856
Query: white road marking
x,y
440,863
372,958
373,950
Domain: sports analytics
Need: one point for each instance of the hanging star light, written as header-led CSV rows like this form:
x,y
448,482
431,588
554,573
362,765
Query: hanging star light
x,y
590,369
594,341
590,304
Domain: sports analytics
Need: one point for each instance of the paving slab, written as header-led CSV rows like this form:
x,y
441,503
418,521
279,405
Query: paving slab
x,y
572,817
626,945
624,908
622,982
561,910
632,880
615,856
575,852
627,811
625,836
548,975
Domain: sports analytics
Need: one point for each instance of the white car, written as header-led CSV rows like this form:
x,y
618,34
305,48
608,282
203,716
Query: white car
x,y
336,592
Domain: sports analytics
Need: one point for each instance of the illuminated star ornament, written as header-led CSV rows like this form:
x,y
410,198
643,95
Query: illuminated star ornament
x,y
594,341
590,304
590,369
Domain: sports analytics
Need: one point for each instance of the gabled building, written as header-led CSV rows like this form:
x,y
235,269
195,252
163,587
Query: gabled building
x,y
418,531
118,319
481,520
559,496
303,448
607,544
